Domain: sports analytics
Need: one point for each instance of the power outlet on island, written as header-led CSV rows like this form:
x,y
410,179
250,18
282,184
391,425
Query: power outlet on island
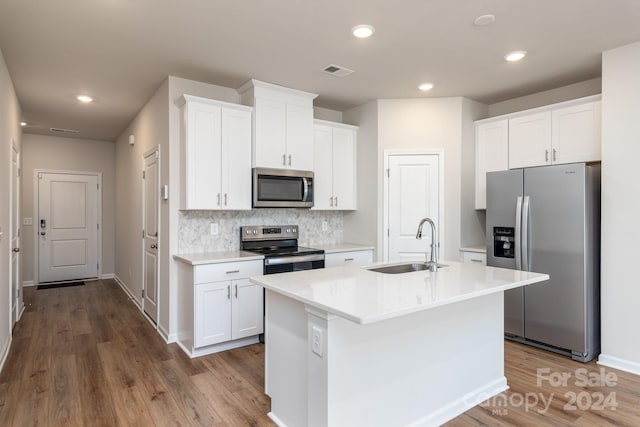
x,y
316,340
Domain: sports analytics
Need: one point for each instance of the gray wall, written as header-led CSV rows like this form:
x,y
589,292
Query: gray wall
x,y
68,154
9,130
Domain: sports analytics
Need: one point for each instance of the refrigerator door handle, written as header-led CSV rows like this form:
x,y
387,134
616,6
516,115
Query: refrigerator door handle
x,y
518,236
525,234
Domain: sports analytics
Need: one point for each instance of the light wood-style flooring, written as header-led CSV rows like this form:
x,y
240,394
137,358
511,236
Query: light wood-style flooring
x,y
86,356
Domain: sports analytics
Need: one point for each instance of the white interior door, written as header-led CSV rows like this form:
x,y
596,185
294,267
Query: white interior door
x,y
413,194
67,226
16,294
151,190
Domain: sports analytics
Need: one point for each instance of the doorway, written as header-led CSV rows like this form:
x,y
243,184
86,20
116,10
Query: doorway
x,y
413,189
16,287
68,231
150,217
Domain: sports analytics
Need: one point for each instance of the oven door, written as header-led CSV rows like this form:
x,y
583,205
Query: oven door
x,y
293,263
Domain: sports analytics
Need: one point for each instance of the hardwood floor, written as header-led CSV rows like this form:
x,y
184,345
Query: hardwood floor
x,y
86,356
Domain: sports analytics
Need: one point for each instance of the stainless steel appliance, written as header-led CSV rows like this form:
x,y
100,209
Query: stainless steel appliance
x,y
279,245
282,188
547,219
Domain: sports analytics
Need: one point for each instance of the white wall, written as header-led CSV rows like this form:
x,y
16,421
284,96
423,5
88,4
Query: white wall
x,y
151,129
9,129
327,114
71,154
428,123
564,93
362,226
620,286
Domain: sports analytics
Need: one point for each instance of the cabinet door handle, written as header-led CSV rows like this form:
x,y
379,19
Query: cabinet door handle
x,y
284,160
336,201
475,260
554,154
218,199
225,199
546,155
236,291
348,259
331,201
228,291
232,271
289,159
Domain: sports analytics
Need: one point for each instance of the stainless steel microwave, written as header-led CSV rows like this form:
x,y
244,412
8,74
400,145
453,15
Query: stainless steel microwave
x,y
282,188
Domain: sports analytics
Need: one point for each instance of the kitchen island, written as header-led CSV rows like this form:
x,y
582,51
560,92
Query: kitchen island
x,y
348,346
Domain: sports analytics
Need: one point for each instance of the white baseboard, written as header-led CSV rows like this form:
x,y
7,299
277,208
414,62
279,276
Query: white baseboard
x,y
276,420
108,276
5,351
28,283
169,338
617,363
127,291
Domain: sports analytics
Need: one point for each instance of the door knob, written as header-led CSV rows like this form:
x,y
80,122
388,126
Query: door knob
x,y
42,233
16,249
154,246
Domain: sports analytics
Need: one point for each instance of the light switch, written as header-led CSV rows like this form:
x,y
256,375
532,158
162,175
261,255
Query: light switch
x,y
27,220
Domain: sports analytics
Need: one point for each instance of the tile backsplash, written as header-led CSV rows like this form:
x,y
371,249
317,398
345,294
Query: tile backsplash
x,y
194,227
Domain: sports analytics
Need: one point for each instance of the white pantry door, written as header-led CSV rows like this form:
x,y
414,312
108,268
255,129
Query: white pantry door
x,y
413,194
151,190
16,295
67,226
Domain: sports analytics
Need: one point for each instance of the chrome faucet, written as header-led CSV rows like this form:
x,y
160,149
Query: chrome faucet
x,y
432,263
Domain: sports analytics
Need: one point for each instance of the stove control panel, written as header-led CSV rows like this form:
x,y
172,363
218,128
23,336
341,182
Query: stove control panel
x,y
271,232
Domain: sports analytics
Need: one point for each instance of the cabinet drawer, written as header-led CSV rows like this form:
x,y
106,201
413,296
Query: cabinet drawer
x,y
474,258
227,271
348,258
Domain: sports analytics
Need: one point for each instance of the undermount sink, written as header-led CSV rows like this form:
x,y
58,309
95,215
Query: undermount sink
x,y
403,268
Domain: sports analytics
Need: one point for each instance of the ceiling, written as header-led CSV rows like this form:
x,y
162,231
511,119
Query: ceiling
x,y
120,51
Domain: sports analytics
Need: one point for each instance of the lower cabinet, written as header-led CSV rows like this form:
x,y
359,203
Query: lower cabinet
x,y
339,259
473,257
219,307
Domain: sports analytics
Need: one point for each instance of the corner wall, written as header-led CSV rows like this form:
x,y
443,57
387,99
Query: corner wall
x,y
9,129
620,289
56,153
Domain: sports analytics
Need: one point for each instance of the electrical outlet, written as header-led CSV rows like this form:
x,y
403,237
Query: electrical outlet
x,y
214,229
316,340
325,225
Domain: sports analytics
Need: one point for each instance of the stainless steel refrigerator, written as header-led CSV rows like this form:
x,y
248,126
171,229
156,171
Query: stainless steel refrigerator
x,y
547,219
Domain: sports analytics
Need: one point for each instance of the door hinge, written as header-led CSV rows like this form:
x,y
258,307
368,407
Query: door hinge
x,y
143,234
98,226
19,172
143,293
388,233
98,266
98,186
144,174
388,173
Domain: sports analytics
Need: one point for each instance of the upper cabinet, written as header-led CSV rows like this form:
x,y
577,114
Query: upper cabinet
x,y
492,154
282,125
215,155
567,132
335,166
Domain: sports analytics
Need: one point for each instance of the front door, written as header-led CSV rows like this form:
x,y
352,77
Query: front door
x,y
151,190
67,226
16,295
413,194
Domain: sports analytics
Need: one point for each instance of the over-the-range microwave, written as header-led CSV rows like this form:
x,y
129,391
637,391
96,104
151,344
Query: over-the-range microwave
x,y
282,188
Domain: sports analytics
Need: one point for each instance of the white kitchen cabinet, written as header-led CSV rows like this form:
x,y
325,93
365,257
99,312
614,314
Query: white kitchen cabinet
x,y
215,155
219,307
492,154
473,257
530,140
562,133
335,166
341,259
282,125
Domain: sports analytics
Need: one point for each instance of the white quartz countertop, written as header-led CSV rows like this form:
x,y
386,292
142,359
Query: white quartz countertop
x,y
479,248
364,296
342,247
217,257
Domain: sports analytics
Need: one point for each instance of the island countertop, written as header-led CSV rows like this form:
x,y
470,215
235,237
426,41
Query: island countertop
x,y
364,296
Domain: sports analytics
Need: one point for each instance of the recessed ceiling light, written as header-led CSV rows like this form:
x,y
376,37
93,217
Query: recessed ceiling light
x,y
362,31
23,123
84,98
484,20
425,86
515,56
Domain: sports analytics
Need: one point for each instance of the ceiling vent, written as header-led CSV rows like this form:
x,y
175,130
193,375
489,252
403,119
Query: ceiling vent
x,y
336,70
63,130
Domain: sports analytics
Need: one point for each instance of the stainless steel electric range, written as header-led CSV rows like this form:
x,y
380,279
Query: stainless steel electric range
x,y
279,245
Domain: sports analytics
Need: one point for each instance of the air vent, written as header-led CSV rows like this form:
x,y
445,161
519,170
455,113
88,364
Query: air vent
x,y
336,70
63,130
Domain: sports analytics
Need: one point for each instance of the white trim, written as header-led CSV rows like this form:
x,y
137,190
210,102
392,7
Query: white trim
x,y
216,348
28,283
169,338
108,276
385,197
5,351
276,420
126,290
618,363
146,154
36,212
